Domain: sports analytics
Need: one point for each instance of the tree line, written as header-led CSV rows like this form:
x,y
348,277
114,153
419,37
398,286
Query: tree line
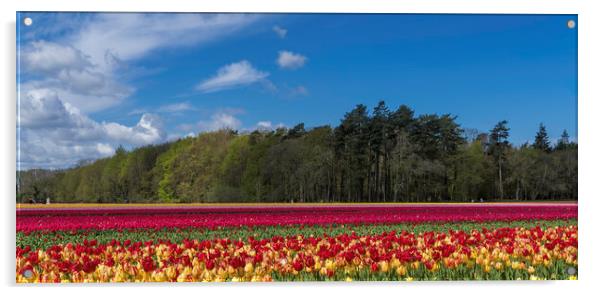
x,y
378,155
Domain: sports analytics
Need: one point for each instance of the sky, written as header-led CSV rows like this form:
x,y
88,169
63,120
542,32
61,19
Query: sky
x,y
89,82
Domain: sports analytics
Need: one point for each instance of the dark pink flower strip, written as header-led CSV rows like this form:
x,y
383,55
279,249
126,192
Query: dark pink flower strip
x,y
211,217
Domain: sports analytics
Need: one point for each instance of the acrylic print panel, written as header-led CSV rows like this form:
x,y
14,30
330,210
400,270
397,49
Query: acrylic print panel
x,y
198,147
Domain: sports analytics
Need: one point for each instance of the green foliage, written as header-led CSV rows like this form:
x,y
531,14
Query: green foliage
x,y
371,156
164,168
472,171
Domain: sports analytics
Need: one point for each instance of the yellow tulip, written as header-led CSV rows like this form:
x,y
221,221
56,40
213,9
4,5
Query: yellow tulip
x,y
249,267
401,271
384,266
531,270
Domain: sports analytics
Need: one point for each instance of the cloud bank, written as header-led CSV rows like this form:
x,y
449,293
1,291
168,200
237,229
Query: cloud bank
x,y
54,134
70,72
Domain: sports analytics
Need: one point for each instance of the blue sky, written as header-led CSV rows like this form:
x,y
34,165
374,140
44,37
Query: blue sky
x,y
89,82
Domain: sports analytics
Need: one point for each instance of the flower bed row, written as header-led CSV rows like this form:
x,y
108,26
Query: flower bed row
x,y
213,217
501,253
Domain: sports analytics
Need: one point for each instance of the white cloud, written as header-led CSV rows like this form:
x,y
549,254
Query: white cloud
x,y
129,36
290,60
104,149
137,111
38,151
232,75
299,90
168,108
281,32
70,73
42,57
147,130
269,86
41,107
264,125
176,136
220,120
176,107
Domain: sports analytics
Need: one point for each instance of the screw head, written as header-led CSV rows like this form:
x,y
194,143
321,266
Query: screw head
x,y
571,24
27,21
571,271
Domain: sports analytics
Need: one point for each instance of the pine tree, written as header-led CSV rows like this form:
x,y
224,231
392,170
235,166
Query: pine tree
x,y
542,142
563,142
497,147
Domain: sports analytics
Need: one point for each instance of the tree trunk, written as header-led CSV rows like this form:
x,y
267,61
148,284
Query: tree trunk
x,y
501,181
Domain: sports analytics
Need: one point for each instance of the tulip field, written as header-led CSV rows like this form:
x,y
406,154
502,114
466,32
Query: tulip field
x,y
295,242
